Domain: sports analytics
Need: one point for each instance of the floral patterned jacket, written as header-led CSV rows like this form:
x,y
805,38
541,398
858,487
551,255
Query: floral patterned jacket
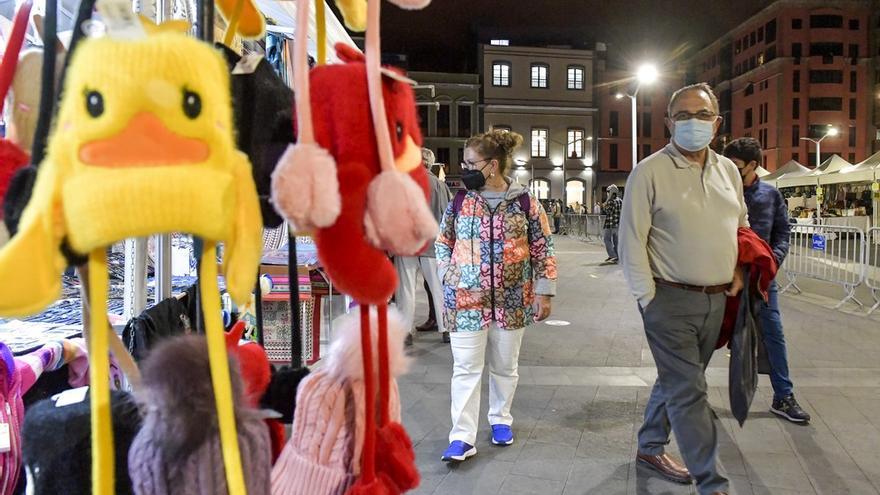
x,y
492,263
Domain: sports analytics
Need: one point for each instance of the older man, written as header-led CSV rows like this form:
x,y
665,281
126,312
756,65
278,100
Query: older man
x,y
409,266
678,250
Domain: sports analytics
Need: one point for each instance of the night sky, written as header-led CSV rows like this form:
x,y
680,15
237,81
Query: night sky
x,y
443,36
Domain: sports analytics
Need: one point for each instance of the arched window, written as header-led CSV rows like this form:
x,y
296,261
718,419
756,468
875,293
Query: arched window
x,y
575,192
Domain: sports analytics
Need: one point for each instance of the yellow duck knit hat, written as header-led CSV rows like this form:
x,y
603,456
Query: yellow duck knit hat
x,y
143,145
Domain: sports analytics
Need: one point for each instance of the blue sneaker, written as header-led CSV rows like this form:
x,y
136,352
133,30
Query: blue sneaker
x,y
502,435
458,451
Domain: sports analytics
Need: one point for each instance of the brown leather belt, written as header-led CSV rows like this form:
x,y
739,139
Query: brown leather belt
x,y
705,289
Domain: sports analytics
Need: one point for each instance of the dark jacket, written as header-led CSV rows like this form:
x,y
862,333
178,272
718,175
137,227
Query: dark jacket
x,y
768,217
742,325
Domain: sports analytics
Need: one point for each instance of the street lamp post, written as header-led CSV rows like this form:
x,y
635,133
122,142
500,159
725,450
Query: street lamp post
x,y
646,74
832,131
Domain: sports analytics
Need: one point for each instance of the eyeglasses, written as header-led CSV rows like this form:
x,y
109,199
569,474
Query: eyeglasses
x,y
701,115
472,165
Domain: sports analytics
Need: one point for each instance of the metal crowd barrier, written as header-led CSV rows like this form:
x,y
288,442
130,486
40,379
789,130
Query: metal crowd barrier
x,y
828,253
584,227
872,266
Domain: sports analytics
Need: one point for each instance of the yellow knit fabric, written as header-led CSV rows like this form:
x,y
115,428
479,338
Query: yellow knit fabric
x,y
143,145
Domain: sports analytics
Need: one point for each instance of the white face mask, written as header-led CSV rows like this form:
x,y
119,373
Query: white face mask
x,y
693,134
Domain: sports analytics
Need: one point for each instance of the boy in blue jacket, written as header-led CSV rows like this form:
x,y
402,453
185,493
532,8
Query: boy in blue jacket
x,y
768,217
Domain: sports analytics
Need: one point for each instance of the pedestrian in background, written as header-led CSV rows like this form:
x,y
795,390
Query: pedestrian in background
x,y
768,217
678,247
498,268
611,210
408,267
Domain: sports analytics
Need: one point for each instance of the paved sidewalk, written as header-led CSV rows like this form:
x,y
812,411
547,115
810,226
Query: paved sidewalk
x,y
583,388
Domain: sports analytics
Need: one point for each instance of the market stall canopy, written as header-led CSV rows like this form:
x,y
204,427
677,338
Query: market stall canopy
x,y
790,171
762,172
865,171
283,14
831,165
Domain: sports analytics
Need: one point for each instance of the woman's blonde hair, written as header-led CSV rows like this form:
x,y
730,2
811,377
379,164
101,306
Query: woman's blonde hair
x,y
498,145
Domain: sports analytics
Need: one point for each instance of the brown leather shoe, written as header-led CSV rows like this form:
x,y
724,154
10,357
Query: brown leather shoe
x,y
667,467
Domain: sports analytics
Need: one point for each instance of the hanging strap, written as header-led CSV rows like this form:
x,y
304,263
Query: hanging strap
x,y
295,319
368,455
232,27
219,363
47,84
384,365
302,92
321,25
374,86
205,21
13,48
99,368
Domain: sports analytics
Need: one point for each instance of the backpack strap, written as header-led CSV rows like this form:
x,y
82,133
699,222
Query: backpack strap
x,y
525,203
457,202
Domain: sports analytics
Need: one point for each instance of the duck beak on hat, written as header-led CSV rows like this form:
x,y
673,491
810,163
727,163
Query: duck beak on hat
x,y
411,158
145,141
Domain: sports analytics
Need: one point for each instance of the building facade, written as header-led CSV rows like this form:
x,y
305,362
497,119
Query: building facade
x,y
547,96
791,71
448,106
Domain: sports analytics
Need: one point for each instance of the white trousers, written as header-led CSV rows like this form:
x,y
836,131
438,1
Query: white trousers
x,y
405,295
470,350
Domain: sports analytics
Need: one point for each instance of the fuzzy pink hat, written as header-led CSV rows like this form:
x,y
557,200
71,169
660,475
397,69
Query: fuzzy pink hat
x,y
323,454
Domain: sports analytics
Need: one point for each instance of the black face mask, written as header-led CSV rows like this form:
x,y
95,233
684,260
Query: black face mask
x,y
473,179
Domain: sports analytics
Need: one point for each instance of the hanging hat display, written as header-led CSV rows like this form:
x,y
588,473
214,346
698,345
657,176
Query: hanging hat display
x,y
143,144
355,176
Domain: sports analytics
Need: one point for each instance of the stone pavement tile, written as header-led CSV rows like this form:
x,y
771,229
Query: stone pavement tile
x,y
550,375
432,472
867,461
846,486
524,485
763,490
545,461
590,476
613,443
473,478
740,485
549,430
776,471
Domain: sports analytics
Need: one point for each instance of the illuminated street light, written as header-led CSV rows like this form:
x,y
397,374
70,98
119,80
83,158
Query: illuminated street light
x,y
832,131
647,74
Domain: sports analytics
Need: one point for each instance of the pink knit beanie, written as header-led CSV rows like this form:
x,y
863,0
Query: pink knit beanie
x,y
323,454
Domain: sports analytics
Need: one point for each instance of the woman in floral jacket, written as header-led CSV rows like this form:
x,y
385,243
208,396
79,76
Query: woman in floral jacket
x,y
496,262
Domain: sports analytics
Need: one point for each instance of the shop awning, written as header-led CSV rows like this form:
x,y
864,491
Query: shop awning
x,y
790,170
866,171
811,178
790,167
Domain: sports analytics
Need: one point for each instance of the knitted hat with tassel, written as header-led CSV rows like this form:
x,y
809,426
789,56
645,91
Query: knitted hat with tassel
x,y
331,427
178,450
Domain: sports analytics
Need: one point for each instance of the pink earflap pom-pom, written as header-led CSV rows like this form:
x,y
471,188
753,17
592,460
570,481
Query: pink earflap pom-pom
x,y
305,189
397,217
